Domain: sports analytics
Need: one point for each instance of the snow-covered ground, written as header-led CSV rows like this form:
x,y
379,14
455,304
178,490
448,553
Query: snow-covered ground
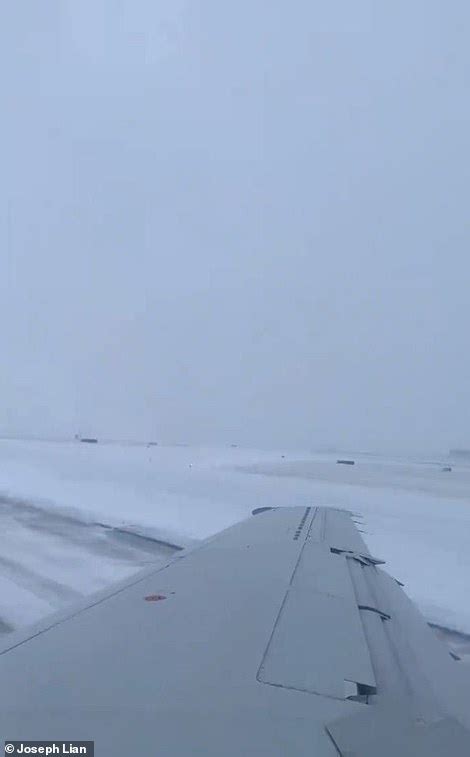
x,y
58,500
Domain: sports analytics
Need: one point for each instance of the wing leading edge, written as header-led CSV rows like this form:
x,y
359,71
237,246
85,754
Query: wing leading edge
x,y
279,636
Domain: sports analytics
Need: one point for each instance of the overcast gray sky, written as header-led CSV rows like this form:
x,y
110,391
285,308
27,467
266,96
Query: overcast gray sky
x,y
236,221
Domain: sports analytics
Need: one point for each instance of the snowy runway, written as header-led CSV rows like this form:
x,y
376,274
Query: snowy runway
x,y
49,560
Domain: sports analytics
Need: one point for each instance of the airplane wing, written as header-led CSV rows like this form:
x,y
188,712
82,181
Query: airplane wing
x,y
279,637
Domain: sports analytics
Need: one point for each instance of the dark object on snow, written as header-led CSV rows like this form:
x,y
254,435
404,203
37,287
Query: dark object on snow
x,y
89,440
152,444
446,469
345,462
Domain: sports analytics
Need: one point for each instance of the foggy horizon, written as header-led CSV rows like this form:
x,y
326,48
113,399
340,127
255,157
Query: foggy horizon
x,y
242,224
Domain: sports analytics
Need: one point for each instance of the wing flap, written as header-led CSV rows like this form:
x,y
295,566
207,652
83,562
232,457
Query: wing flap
x,y
318,643
394,732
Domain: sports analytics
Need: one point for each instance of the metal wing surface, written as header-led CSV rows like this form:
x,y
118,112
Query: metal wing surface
x,y
280,636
